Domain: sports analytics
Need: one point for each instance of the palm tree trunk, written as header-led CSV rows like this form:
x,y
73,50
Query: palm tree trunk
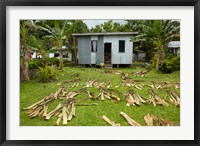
x,y
61,59
24,66
158,59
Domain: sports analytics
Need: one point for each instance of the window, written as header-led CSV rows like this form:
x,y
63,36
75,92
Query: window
x,y
93,46
121,45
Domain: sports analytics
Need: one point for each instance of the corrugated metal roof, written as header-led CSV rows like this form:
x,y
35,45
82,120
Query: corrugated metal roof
x,y
104,33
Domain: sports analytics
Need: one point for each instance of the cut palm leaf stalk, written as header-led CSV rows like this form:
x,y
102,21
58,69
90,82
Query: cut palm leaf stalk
x,y
34,112
174,97
155,99
134,98
60,116
125,76
72,113
131,83
72,94
142,73
129,120
45,110
91,83
105,93
161,122
50,114
48,98
149,120
64,110
91,95
164,85
109,121
106,84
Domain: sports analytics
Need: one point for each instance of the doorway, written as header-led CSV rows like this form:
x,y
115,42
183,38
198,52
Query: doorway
x,y
107,53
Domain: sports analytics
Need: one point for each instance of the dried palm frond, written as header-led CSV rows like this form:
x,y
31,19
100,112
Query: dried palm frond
x,y
149,120
152,120
130,120
142,73
106,94
110,121
164,85
132,83
156,99
133,98
174,97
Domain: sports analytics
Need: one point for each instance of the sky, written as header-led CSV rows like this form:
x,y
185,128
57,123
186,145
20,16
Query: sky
x,y
92,23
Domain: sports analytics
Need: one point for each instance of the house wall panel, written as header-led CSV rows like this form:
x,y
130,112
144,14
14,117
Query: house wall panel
x,y
120,57
100,50
84,50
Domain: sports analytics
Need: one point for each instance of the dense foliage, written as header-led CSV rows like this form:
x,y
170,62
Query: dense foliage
x,y
48,73
170,64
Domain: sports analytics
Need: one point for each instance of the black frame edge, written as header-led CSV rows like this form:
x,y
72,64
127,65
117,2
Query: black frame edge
x,y
197,70
2,74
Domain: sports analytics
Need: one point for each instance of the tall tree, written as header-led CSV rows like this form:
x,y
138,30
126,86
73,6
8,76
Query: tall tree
x,y
157,33
57,33
27,39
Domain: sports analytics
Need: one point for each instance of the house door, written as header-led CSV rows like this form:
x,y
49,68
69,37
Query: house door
x,y
107,53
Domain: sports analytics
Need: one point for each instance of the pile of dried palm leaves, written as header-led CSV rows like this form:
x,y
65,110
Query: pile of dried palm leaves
x,y
132,83
174,97
61,111
133,98
163,85
150,120
66,109
95,83
156,121
106,94
156,99
142,73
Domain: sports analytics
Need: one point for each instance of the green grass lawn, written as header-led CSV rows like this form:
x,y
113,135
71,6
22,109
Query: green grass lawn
x,y
33,91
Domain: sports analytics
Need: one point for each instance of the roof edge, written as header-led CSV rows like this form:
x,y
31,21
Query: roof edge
x,y
104,33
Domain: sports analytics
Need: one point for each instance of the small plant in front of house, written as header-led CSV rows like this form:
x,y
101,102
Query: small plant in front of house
x,y
48,73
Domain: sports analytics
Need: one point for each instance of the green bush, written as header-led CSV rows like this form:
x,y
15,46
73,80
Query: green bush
x,y
170,65
38,62
48,73
35,62
53,61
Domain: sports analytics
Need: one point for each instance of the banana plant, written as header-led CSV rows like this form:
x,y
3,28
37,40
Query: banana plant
x,y
156,34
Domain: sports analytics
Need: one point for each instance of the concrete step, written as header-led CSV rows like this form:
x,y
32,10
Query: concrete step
x,y
108,66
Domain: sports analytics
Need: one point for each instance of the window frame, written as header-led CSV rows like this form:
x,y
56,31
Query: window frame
x,y
124,48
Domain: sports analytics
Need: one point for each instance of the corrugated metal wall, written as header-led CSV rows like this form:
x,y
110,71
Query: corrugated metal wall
x,y
120,57
84,50
100,50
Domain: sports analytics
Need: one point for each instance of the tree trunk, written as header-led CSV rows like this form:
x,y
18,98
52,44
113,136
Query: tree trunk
x,y
24,66
75,52
61,59
158,59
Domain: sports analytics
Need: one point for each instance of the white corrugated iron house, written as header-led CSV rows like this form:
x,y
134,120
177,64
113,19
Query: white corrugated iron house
x,y
174,47
112,48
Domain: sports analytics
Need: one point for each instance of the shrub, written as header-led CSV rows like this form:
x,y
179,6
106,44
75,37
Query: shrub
x,y
170,65
48,73
35,63
38,62
53,61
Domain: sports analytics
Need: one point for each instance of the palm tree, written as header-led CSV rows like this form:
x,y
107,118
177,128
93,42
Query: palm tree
x,y
24,52
59,32
158,33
